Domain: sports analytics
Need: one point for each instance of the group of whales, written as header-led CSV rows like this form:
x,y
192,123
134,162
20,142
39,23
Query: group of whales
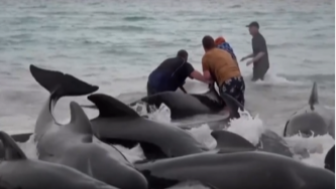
x,y
68,157
313,119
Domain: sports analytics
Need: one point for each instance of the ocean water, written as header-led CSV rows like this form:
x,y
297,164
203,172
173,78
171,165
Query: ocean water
x,y
115,44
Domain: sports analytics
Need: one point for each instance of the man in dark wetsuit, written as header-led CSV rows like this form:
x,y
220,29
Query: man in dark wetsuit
x,y
260,55
171,74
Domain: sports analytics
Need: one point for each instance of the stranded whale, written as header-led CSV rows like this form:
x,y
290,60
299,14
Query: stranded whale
x,y
72,144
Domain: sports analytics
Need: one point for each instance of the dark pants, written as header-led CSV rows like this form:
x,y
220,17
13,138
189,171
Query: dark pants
x,y
259,72
234,87
151,90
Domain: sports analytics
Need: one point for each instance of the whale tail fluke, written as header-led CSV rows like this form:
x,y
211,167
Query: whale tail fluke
x,y
60,84
233,105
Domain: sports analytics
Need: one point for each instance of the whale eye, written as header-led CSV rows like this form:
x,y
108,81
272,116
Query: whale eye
x,y
138,109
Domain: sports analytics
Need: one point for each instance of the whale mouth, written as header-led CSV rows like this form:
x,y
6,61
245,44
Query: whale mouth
x,y
306,134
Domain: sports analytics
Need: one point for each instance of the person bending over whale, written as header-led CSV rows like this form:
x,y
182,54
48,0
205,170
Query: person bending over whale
x,y
219,66
172,73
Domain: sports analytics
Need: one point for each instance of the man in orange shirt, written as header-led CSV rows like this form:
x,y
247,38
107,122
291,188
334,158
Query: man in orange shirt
x,y
219,66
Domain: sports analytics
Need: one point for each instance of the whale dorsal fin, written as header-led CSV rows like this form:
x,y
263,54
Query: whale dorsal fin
x,y
79,121
231,142
313,99
12,150
111,107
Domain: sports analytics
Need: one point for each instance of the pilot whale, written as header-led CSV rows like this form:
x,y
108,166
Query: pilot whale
x,y
184,105
311,120
117,123
19,172
329,161
72,144
270,141
237,169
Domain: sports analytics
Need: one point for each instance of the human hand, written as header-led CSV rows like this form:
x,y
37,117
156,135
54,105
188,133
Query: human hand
x,y
242,59
249,63
210,82
211,85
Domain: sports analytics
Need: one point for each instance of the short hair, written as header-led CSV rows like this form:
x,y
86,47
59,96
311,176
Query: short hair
x,y
182,53
208,42
253,24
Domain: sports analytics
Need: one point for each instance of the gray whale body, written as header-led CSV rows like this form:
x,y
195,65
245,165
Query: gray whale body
x,y
117,123
183,105
236,170
19,172
72,144
313,119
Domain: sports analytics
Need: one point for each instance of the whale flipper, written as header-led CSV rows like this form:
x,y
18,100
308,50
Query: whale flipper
x,y
60,83
211,98
313,99
111,107
329,161
79,121
11,149
231,142
233,105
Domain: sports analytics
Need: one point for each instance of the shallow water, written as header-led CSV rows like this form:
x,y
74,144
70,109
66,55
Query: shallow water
x,y
115,44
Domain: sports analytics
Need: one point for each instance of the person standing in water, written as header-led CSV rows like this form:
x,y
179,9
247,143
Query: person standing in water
x,y
260,55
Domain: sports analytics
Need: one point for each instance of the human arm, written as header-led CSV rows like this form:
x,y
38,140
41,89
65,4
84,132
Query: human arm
x,y
259,46
258,57
194,74
246,57
207,75
198,76
206,70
